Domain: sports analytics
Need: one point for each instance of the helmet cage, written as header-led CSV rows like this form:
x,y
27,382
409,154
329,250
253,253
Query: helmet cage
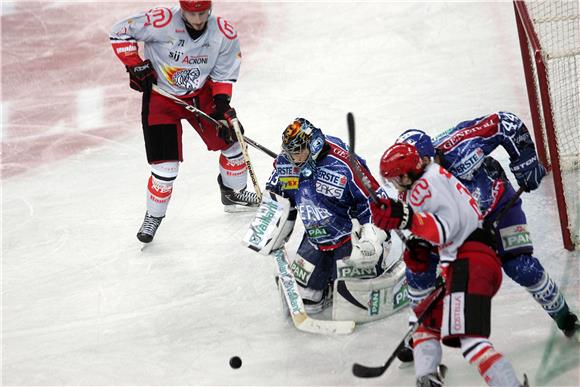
x,y
301,136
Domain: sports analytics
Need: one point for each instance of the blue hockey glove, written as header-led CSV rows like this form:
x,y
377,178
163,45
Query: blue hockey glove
x,y
527,170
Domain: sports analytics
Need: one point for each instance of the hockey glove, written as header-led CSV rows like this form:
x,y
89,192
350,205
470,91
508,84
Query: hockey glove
x,y
142,76
224,114
416,254
367,246
527,170
389,214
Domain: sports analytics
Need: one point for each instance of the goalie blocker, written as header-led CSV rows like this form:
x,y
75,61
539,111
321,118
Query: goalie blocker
x,y
355,297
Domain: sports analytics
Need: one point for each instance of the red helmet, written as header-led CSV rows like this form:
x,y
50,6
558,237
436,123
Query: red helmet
x,y
400,159
195,5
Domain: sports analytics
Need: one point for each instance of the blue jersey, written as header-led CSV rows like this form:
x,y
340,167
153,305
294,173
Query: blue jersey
x,y
327,198
464,151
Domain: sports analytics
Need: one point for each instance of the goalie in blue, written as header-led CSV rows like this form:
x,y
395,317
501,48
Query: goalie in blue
x,y
313,173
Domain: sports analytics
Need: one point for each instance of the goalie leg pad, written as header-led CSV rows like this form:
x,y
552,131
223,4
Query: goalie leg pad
x,y
363,300
272,226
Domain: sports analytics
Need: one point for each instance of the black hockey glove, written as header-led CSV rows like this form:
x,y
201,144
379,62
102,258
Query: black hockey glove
x,y
527,170
224,114
142,76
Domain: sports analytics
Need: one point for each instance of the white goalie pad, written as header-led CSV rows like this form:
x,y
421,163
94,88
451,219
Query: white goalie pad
x,y
363,300
272,225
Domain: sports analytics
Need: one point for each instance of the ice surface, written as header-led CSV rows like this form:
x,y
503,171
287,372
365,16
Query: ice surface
x,y
83,305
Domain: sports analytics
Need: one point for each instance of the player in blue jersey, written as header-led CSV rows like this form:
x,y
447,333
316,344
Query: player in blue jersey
x,y
313,172
464,151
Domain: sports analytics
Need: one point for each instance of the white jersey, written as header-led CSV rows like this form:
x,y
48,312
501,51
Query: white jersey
x,y
445,212
183,65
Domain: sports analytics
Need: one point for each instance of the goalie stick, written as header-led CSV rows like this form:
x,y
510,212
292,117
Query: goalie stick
x,y
209,118
296,306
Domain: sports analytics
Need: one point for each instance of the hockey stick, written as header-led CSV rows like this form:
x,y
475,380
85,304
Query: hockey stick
x,y
296,306
356,167
235,123
209,118
372,372
507,207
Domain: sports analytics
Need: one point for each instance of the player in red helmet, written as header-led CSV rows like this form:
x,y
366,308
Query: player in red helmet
x,y
196,57
438,210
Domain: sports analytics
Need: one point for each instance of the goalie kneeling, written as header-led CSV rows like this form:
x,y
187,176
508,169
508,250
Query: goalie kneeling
x,y
312,175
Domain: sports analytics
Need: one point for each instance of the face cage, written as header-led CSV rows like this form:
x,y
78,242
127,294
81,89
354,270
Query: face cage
x,y
289,155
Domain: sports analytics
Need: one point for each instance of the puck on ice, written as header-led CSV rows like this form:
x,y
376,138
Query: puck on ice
x,y
235,362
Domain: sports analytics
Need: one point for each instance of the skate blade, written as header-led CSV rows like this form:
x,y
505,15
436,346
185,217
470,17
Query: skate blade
x,y
233,208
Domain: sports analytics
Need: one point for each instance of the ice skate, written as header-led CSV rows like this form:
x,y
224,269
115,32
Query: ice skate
x,y
434,379
149,228
237,201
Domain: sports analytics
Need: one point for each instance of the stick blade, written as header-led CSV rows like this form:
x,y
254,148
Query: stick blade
x,y
351,133
326,327
362,371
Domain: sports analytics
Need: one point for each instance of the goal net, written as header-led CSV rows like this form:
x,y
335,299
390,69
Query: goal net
x,y
549,33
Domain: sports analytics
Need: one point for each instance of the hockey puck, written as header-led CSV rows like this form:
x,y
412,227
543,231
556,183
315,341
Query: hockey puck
x,y
235,362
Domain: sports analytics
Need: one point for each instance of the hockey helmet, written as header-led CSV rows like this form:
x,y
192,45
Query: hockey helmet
x,y
299,136
400,159
195,5
420,140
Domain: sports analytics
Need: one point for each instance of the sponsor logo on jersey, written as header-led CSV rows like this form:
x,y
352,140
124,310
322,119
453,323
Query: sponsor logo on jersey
x,y
289,183
195,59
329,190
339,152
316,232
310,213
515,237
457,323
331,177
468,164
287,170
484,128
130,48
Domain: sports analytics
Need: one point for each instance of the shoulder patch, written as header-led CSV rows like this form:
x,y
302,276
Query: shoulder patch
x,y
227,28
420,193
159,17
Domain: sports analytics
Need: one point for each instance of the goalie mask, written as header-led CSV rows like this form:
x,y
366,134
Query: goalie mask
x,y
302,143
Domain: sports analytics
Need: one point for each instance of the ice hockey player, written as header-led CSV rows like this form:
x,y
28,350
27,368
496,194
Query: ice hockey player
x,y
195,56
313,173
464,151
439,209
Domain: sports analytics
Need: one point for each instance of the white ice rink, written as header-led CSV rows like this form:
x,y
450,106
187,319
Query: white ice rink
x,y
83,305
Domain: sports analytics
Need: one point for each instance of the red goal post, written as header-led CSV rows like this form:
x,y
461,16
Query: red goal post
x,y
549,34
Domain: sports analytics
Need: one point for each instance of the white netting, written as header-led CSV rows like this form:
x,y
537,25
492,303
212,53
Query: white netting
x,y
557,25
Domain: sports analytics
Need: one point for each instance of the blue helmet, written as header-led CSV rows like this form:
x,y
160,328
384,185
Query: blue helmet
x,y
297,137
420,140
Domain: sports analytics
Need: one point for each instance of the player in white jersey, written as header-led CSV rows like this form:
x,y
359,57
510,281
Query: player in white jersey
x,y
439,209
195,56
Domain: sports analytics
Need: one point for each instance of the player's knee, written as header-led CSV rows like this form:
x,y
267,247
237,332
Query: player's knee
x,y
524,269
166,171
479,352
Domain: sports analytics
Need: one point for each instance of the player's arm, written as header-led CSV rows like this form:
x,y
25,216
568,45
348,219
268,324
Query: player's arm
x,y
518,143
124,37
223,75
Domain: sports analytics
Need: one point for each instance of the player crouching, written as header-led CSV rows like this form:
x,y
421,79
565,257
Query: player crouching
x,y
312,178
440,210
